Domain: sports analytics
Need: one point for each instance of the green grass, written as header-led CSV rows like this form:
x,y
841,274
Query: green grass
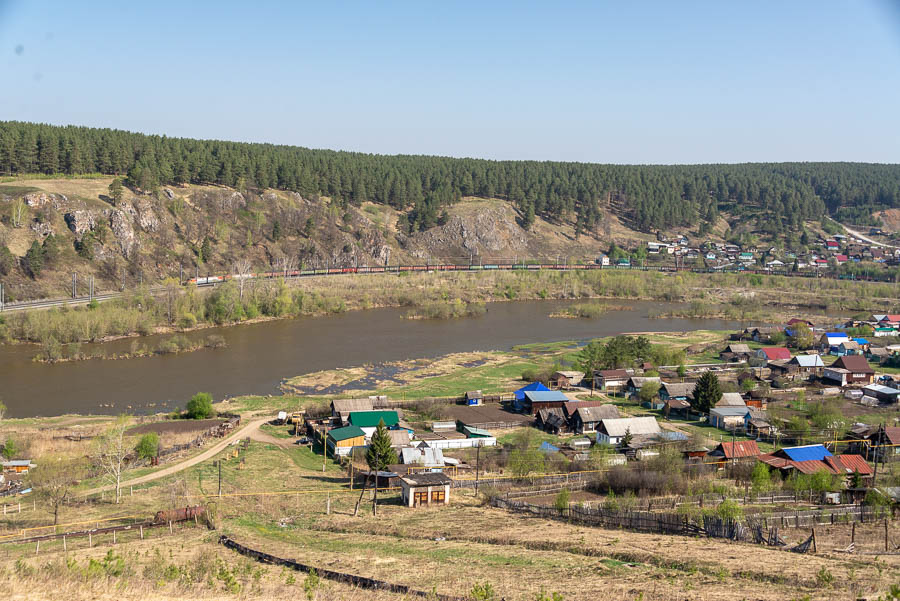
x,y
487,378
11,190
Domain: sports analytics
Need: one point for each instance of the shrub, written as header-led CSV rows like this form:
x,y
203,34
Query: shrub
x,y
147,446
562,500
729,510
200,406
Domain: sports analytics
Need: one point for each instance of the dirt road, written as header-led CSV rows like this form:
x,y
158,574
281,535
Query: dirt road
x,y
249,430
856,234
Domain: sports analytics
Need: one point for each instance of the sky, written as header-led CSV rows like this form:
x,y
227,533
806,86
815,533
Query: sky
x,y
608,82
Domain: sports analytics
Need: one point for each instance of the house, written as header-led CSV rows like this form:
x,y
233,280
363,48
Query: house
x,y
745,257
552,420
566,379
610,380
340,441
832,244
731,399
762,333
612,431
756,422
431,459
808,364
18,466
535,400
848,347
343,407
571,407
884,443
534,386
850,369
884,394
474,398
796,320
773,353
736,352
586,419
635,383
738,450
430,488
727,418
677,408
683,391
368,420
399,438
863,344
830,339
810,459
603,260
878,354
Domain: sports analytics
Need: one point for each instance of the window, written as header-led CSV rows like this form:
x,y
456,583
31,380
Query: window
x,y
437,496
420,498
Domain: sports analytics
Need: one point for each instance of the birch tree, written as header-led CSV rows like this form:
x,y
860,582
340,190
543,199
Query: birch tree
x,y
242,267
111,452
17,212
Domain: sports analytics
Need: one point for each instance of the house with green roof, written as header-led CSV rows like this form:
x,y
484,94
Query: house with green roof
x,y
340,441
368,420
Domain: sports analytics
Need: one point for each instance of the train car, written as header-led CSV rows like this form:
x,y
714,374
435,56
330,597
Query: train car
x,y
348,270
376,269
212,279
491,267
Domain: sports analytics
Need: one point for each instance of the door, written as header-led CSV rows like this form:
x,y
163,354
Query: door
x,y
420,498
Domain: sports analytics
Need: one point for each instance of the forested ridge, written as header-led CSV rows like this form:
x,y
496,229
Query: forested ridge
x,y
779,196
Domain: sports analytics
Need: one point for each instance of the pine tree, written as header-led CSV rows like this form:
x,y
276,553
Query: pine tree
x,y
205,250
34,259
379,456
116,190
706,393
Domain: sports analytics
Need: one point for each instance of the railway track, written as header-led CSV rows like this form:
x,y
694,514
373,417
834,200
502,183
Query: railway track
x,y
214,280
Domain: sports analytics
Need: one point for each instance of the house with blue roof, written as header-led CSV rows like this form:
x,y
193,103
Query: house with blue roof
x,y
533,387
535,400
810,452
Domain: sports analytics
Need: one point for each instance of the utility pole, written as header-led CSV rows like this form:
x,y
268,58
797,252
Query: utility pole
x,y
477,465
1,296
219,462
74,285
92,288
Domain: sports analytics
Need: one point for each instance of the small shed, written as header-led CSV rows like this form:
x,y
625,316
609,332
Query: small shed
x,y
474,398
18,466
431,488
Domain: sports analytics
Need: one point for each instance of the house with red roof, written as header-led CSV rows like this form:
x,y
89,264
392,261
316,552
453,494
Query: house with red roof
x,y
810,459
841,259
773,353
741,449
832,244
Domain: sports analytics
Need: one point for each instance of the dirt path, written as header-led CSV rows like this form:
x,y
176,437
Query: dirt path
x,y
264,437
249,430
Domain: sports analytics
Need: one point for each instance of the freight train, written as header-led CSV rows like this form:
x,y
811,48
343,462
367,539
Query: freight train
x,y
210,280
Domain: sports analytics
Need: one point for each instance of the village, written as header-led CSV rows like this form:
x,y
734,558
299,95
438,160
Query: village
x,y
784,438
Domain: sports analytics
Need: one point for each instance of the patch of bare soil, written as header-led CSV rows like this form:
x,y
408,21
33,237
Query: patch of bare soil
x,y
176,426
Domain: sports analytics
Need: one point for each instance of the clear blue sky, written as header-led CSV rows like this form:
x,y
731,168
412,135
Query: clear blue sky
x,y
620,82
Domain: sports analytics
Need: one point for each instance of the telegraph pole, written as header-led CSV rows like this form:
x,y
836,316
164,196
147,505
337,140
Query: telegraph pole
x,y
219,462
1,296
92,289
74,285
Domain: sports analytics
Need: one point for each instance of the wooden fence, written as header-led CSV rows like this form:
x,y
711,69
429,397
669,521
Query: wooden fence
x,y
351,579
660,523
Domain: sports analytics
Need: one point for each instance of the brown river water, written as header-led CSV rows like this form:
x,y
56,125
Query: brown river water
x,y
258,356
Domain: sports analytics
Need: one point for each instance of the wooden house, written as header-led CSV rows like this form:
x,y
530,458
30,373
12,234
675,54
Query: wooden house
x,y
535,400
586,419
368,420
736,352
677,408
683,391
727,418
743,450
474,398
343,407
340,441
850,369
731,399
635,383
566,379
431,488
552,420
610,380
613,431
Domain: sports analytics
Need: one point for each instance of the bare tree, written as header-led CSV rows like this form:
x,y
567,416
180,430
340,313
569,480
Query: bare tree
x,y
17,212
111,452
242,267
285,263
54,479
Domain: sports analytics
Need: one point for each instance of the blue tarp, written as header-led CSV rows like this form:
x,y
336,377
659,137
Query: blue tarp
x,y
814,452
548,448
534,386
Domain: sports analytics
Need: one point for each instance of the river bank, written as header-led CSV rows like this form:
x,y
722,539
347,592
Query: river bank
x,y
441,295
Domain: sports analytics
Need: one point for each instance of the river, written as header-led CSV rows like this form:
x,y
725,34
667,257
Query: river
x,y
258,356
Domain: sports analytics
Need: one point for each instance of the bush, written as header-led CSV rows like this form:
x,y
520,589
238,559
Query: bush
x,y
729,510
562,500
147,446
200,406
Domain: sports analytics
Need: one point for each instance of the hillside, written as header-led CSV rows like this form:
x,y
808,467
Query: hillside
x,y
154,235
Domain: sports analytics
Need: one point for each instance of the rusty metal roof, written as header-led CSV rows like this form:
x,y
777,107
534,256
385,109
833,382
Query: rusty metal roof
x,y
740,448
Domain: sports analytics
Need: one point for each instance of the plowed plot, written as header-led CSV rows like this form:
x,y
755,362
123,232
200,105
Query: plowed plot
x,y
177,426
